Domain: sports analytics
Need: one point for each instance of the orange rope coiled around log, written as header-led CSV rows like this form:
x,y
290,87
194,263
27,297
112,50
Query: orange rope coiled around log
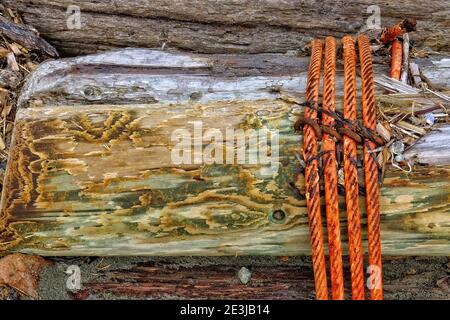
x,y
312,174
351,173
330,173
371,170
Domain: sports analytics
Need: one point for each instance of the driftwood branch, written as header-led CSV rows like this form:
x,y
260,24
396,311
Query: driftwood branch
x,y
23,35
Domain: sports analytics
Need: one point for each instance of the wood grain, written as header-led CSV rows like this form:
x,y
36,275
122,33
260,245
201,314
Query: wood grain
x,y
99,180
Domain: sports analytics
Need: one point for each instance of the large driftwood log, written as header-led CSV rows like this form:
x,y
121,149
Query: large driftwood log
x,y
212,26
100,179
142,76
217,277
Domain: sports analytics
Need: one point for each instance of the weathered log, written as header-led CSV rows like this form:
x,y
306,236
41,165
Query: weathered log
x,y
100,179
79,178
143,76
149,76
217,278
210,26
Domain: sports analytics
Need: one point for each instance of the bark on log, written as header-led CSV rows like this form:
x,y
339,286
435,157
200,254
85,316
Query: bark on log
x,y
99,179
211,26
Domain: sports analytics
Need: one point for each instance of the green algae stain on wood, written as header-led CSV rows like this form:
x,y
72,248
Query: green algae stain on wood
x,y
99,180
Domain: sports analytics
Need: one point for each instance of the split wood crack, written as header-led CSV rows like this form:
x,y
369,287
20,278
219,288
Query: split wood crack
x,y
322,122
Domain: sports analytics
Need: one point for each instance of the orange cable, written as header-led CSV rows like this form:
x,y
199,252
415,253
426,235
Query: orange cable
x,y
351,174
371,169
330,173
312,174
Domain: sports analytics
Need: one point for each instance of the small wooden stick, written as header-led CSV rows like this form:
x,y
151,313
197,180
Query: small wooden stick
x,y
405,66
415,74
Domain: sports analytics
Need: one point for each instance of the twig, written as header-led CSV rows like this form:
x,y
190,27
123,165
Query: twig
x,y
404,131
405,66
393,85
415,74
438,94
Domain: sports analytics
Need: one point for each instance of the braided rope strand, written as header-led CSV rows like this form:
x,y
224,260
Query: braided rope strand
x,y
371,169
351,174
330,173
312,174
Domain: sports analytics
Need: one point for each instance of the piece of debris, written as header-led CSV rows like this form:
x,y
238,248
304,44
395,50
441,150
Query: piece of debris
x,y
21,272
391,33
383,129
2,143
25,36
429,118
8,293
415,74
244,275
397,149
10,79
12,62
80,295
444,283
393,85
405,64
399,49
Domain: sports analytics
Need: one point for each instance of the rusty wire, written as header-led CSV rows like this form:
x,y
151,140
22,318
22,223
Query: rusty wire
x,y
351,174
354,129
330,173
371,169
312,174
